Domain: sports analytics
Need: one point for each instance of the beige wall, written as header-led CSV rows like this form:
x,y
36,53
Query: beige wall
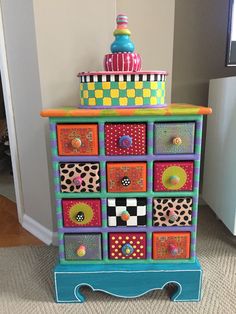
x,y
152,26
19,32
72,36
199,48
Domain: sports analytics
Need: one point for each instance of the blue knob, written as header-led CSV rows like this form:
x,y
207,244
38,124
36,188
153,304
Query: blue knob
x,y
125,141
127,249
122,43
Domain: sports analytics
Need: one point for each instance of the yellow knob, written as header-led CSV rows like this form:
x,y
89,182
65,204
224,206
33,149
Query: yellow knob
x,y
76,142
177,141
81,251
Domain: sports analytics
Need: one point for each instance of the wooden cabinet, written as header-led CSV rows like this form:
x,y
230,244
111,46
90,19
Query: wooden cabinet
x,y
130,203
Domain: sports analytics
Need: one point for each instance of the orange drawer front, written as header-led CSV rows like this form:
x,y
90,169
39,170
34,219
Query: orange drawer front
x,y
77,139
126,177
171,245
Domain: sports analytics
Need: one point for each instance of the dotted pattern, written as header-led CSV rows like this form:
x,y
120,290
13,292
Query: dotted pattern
x,y
114,131
122,93
166,132
117,240
182,208
160,181
72,207
88,172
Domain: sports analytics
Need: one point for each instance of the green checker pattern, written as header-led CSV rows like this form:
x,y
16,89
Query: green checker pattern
x,y
122,94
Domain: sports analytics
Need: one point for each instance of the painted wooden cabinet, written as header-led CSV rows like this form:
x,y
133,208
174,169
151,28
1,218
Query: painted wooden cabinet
x,y
126,172
126,186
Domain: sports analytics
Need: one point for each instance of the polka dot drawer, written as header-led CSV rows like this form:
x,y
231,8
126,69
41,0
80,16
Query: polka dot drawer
x,y
127,184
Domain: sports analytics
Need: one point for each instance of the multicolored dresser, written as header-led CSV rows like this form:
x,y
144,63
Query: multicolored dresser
x,y
126,173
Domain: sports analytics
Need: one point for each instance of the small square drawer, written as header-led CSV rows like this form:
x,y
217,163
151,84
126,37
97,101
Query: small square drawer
x,y
172,212
126,177
126,212
125,138
77,139
83,246
173,176
127,245
171,245
81,212
79,177
174,138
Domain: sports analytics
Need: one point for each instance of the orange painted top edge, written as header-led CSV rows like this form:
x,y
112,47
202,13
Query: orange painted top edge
x,y
170,110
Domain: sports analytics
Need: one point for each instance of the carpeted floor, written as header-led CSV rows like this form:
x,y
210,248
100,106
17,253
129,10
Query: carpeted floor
x,y
26,284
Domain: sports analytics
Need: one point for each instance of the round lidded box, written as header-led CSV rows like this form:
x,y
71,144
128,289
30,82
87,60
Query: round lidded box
x,y
122,89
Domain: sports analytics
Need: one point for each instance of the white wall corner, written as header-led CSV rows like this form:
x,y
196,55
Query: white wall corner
x,y
39,231
201,201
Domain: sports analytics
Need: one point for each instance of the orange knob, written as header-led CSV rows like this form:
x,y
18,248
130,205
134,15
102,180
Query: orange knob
x,y
125,215
81,251
76,142
174,180
177,141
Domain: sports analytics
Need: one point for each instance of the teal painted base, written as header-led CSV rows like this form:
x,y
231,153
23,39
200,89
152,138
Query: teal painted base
x,y
128,281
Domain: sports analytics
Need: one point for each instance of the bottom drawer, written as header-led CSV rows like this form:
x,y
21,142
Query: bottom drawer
x,y
127,245
83,246
171,245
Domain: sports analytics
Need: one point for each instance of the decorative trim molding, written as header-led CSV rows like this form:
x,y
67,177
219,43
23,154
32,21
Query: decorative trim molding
x,y
38,230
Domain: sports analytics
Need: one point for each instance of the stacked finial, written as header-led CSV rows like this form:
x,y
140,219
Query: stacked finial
x,y
123,57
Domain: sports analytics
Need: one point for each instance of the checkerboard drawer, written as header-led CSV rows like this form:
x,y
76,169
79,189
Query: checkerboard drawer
x,y
171,245
174,138
125,138
126,177
130,245
79,177
173,176
81,212
126,212
77,139
83,246
175,211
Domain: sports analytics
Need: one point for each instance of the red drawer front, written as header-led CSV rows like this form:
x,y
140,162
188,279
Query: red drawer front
x,y
171,245
81,212
173,176
125,138
77,139
127,245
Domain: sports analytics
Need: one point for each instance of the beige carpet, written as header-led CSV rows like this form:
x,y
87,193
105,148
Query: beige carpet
x,y
26,280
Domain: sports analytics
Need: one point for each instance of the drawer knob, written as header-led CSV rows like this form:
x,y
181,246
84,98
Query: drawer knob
x,y
174,180
80,216
127,249
125,181
81,251
125,141
125,215
172,216
177,141
76,142
173,249
77,181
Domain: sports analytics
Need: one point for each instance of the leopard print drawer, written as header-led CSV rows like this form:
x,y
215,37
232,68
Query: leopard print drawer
x,y
79,177
172,211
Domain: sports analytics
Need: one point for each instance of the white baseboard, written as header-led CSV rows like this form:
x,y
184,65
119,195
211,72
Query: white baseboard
x,y
39,231
55,239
